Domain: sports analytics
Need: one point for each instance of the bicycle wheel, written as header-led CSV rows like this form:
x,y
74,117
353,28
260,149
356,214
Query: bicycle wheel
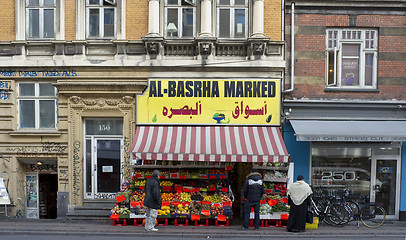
x,y
338,215
372,216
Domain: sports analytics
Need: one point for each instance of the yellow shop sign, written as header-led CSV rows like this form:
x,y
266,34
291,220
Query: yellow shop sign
x,y
206,101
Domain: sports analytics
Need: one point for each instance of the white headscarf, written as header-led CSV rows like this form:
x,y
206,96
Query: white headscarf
x,y
299,191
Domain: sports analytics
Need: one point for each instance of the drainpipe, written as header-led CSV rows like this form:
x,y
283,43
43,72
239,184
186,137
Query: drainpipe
x,y
292,49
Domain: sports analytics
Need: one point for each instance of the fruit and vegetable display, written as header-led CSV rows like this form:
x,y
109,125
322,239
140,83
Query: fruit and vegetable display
x,y
198,191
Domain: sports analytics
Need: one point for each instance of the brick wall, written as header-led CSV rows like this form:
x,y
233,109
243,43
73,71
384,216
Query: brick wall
x,y
137,19
7,16
273,19
70,20
310,41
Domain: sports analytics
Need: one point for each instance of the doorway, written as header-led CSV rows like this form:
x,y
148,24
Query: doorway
x,y
104,157
385,184
48,188
103,167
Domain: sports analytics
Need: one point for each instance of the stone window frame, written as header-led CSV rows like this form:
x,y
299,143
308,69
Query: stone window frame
x,y
180,6
36,98
22,21
232,6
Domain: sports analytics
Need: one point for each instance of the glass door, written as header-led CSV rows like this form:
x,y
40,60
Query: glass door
x,y
108,162
385,184
31,190
104,160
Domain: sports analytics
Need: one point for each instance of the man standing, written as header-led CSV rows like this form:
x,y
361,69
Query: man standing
x,y
252,192
152,201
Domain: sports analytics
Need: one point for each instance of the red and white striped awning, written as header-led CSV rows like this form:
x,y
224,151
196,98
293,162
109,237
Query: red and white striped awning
x,y
209,143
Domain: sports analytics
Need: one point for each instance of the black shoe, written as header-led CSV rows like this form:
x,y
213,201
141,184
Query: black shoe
x,y
243,228
302,231
256,229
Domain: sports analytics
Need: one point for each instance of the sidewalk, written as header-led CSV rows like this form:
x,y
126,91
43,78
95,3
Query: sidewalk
x,y
64,227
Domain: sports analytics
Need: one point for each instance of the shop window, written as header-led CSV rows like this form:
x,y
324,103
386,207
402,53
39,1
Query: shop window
x,y
101,18
351,58
37,106
180,20
232,18
336,169
40,15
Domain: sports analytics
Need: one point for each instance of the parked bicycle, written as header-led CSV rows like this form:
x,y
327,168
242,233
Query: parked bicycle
x,y
371,214
329,211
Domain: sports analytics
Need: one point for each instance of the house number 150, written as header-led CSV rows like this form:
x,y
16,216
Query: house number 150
x,y
104,127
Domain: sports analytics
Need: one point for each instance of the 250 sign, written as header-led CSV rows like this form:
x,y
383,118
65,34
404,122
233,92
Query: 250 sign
x,y
338,176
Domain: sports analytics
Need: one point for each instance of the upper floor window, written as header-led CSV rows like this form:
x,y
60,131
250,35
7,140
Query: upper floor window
x,y
37,104
351,58
180,20
232,18
101,18
40,15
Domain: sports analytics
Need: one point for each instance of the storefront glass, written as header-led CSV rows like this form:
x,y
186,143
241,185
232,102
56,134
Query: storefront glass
x,y
339,168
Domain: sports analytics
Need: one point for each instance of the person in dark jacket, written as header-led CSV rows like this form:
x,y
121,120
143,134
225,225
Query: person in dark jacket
x,y
252,191
152,200
298,200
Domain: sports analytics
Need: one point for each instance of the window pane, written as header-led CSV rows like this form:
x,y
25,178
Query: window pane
x,y
224,30
26,89
239,28
33,30
47,114
173,2
46,89
350,72
109,22
172,21
49,3
94,2
351,50
27,114
186,2
94,22
48,23
331,72
369,65
224,2
33,3
187,23
239,2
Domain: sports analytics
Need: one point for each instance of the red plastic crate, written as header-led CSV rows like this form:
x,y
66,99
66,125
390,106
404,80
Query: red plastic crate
x,y
275,223
202,222
261,223
138,221
222,223
181,222
162,221
121,222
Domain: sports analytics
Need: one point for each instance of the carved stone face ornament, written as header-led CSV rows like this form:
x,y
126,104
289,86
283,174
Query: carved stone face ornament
x,y
205,48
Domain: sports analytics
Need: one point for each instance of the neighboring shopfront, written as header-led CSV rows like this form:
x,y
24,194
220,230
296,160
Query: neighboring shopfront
x,y
69,139
364,157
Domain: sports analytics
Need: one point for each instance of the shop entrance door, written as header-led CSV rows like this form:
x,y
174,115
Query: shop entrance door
x,y
104,158
385,184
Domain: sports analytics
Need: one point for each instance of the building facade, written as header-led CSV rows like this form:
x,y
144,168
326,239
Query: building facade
x,y
344,100
70,73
